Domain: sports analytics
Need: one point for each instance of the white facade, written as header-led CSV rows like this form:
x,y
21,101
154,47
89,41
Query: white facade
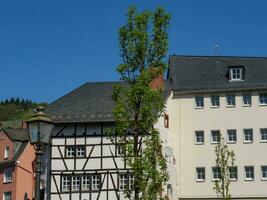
x,y
185,118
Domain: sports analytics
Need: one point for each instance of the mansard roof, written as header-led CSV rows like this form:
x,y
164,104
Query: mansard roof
x,y
91,102
193,74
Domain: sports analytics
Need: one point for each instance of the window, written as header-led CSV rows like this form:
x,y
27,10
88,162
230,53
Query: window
x,y
236,74
215,136
123,181
215,101
7,175
7,196
169,190
216,173
65,183
247,99
200,174
7,152
75,183
249,173
264,172
248,135
230,100
70,152
263,134
166,121
86,183
80,152
96,182
199,137
263,99
233,173
231,134
199,101
131,181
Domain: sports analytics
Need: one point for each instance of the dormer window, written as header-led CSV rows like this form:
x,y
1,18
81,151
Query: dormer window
x,y
236,73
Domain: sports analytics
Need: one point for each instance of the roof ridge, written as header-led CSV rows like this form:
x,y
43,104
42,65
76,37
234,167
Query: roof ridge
x,y
210,56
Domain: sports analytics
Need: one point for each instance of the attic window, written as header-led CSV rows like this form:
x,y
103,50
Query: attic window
x,y
236,73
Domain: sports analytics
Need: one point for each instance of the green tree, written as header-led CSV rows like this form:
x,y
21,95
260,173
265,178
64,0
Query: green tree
x,y
143,45
225,160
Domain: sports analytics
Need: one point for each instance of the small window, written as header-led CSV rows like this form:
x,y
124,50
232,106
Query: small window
x,y
7,152
199,101
169,190
200,174
166,120
7,196
70,152
7,175
131,181
96,182
85,183
236,74
263,99
215,136
248,135
264,172
231,134
230,100
75,183
123,179
247,99
65,183
215,101
249,173
233,173
80,151
216,173
263,134
199,137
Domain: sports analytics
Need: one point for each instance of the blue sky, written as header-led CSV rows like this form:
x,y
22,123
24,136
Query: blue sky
x,y
48,48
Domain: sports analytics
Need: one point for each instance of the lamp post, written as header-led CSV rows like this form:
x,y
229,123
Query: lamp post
x,y
40,127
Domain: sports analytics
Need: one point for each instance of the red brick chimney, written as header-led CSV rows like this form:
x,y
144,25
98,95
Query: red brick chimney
x,y
157,83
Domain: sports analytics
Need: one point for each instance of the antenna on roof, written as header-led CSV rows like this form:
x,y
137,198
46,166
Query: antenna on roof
x,y
216,47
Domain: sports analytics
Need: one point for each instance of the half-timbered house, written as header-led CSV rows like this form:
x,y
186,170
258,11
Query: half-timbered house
x,y
85,164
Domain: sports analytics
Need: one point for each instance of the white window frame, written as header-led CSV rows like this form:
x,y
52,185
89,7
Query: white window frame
x,y
264,98
232,96
80,151
264,172
200,174
7,152
8,175
235,171
217,136
236,74
202,137
65,187
96,181
247,99
263,135
86,183
70,151
123,181
216,174
251,135
216,100
249,172
199,101
75,184
5,197
229,136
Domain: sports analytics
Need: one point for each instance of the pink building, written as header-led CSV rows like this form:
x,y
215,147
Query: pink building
x,y
16,165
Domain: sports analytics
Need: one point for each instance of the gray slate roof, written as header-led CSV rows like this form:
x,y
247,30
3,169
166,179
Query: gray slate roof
x,y
191,74
91,102
19,135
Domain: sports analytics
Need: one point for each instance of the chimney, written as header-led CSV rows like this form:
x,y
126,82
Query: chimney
x,y
157,83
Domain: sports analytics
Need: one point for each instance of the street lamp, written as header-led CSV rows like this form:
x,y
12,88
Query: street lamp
x,y
40,127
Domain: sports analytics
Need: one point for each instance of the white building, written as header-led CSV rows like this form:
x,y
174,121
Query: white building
x,y
212,95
